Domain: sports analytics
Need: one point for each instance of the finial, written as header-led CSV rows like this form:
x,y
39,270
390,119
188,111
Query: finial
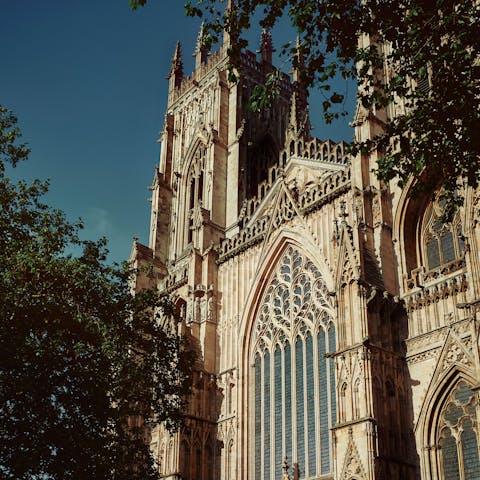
x,y
293,112
200,39
177,57
299,117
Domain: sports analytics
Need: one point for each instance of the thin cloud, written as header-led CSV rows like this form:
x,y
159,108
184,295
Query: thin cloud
x,y
97,222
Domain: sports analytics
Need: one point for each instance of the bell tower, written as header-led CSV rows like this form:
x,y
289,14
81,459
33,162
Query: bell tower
x,y
215,153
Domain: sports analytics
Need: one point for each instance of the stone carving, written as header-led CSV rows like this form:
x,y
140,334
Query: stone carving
x,y
254,232
452,285
476,209
456,353
352,465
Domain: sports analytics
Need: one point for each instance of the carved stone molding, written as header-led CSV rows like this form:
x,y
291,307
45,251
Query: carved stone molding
x,y
423,297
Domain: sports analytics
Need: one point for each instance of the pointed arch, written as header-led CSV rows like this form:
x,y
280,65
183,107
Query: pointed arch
x,y
406,225
448,428
424,242
197,142
267,264
285,339
192,188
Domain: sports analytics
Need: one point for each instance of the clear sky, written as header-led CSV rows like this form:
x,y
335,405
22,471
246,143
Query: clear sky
x,y
86,79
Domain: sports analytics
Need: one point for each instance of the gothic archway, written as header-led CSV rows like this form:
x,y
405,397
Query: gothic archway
x,y
451,431
292,403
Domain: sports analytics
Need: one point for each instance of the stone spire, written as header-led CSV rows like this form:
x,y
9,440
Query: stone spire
x,y
201,50
266,47
176,68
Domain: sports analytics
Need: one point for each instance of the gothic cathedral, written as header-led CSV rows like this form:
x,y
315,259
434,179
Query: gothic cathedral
x,y
334,315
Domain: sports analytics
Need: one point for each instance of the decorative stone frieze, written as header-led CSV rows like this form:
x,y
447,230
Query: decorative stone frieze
x,y
313,198
423,296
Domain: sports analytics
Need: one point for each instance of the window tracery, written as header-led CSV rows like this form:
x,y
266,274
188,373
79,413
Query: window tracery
x,y
442,242
294,383
458,435
194,197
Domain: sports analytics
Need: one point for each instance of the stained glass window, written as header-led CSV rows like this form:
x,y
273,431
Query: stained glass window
x,y
258,415
288,401
278,411
266,416
195,189
300,412
312,468
458,436
198,463
442,242
293,332
186,460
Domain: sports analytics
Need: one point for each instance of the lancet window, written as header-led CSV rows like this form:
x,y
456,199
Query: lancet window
x,y
442,242
293,399
458,436
195,190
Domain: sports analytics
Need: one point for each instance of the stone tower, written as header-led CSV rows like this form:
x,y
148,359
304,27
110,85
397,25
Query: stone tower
x,y
334,315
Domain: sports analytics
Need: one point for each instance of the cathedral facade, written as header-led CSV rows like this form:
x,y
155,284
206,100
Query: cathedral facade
x,y
335,316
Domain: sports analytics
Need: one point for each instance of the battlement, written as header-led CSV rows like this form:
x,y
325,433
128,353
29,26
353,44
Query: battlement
x,y
250,65
187,82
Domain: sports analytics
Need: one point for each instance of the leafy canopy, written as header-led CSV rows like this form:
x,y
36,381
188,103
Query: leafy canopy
x,y
83,359
418,60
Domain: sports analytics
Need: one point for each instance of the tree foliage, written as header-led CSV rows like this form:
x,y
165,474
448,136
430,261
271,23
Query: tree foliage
x,y
83,360
418,59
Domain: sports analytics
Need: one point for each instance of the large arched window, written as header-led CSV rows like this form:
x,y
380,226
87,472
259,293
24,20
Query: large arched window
x,y
293,399
442,242
458,436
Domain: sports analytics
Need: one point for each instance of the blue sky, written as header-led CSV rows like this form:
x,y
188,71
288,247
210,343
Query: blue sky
x,y
86,79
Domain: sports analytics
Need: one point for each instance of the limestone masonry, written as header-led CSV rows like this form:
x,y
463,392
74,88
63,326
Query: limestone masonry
x,y
335,316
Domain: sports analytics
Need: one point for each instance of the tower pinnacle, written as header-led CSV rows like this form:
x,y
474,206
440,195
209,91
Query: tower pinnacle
x,y
201,49
266,47
176,67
